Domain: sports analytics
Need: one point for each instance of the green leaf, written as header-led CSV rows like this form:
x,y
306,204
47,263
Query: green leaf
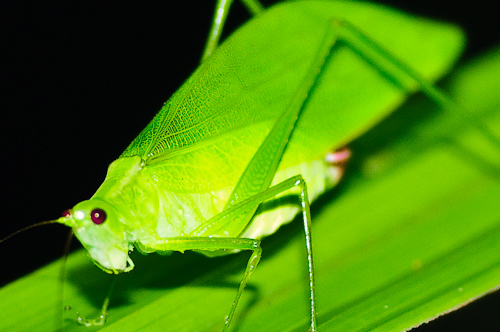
x,y
411,233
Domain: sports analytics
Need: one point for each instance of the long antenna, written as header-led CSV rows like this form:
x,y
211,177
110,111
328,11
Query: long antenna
x,y
28,227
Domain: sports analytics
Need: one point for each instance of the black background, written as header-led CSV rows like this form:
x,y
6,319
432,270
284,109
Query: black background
x,y
80,80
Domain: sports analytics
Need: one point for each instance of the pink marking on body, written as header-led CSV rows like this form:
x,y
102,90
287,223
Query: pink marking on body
x,y
337,161
338,157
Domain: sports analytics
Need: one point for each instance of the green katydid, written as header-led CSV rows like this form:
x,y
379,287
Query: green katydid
x,y
213,137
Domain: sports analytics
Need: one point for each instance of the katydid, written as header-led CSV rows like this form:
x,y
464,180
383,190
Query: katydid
x,y
194,177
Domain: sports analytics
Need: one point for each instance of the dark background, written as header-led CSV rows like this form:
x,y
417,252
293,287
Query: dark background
x,y
79,81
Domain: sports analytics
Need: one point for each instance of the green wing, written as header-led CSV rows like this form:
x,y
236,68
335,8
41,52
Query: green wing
x,y
204,136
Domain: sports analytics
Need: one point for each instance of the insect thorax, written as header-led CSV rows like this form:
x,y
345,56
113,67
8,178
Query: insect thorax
x,y
153,214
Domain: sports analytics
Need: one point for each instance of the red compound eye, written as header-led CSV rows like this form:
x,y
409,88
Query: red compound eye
x,y
66,213
98,216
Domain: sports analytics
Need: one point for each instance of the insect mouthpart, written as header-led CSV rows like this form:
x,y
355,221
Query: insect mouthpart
x,y
111,260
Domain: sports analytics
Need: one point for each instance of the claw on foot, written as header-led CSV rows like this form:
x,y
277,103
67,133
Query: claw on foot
x,y
98,321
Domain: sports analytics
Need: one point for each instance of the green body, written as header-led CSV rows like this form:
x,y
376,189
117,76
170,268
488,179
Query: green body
x,y
181,169
412,234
